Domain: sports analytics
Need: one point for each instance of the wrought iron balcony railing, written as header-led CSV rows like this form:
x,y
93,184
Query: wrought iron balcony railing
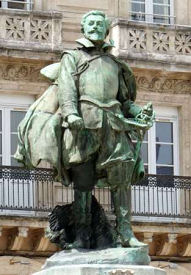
x,y
33,192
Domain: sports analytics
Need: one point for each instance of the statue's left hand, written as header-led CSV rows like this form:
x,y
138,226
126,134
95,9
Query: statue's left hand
x,y
147,115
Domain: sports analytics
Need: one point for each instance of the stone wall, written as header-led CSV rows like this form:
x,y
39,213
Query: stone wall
x,y
114,8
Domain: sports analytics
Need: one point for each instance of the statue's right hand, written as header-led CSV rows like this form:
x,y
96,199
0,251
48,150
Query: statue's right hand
x,y
75,122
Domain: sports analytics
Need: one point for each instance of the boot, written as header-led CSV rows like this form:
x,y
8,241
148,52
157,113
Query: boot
x,y
122,209
83,177
82,219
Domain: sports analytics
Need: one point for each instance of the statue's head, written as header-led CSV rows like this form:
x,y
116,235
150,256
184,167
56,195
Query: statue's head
x,y
95,26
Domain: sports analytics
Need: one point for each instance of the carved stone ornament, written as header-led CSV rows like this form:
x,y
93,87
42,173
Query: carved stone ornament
x,y
40,30
183,43
15,28
19,72
137,39
121,272
160,42
163,85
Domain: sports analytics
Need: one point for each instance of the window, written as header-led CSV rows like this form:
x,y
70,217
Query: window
x,y
10,120
11,113
16,4
0,137
154,11
138,10
15,119
160,146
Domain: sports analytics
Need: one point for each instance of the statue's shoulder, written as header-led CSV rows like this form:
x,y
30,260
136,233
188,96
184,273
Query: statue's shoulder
x,y
128,77
52,71
75,53
122,64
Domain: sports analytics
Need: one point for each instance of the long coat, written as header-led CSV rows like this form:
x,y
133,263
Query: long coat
x,y
41,132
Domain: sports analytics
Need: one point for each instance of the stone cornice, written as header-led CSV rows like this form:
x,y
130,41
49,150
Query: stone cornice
x,y
19,236
43,14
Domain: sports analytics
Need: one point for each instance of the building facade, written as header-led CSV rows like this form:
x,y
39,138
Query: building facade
x,y
154,37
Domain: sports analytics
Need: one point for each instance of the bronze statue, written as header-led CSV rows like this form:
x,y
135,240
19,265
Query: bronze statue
x,y
84,125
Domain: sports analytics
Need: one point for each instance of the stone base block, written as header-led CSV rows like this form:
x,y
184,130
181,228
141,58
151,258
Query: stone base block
x,y
101,269
111,261
120,255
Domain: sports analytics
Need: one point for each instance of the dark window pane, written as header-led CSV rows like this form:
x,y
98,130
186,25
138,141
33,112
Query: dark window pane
x,y
14,142
146,169
19,6
138,17
16,117
164,154
163,10
144,152
164,132
165,170
0,144
167,2
161,20
0,161
0,121
138,7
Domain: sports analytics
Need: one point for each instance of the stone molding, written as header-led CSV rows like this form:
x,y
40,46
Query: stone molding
x,y
26,236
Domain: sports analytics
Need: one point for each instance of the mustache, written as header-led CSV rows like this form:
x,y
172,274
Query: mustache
x,y
94,31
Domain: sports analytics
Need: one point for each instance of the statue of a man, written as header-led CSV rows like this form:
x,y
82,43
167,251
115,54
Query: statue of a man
x,y
96,94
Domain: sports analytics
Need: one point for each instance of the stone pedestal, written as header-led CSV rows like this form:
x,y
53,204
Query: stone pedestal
x,y
111,261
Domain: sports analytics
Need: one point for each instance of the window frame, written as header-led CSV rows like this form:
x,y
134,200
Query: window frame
x,y
27,4
168,114
149,16
6,106
1,134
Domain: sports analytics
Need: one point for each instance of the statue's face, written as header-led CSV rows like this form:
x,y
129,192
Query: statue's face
x,y
95,28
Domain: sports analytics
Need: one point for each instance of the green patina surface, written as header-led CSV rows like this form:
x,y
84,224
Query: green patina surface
x,y
84,125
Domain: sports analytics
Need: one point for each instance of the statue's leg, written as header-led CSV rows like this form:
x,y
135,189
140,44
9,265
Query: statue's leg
x,y
122,208
83,177
121,194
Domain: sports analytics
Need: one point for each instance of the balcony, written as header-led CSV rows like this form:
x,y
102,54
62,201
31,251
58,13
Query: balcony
x,y
30,30
165,44
35,192
161,213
